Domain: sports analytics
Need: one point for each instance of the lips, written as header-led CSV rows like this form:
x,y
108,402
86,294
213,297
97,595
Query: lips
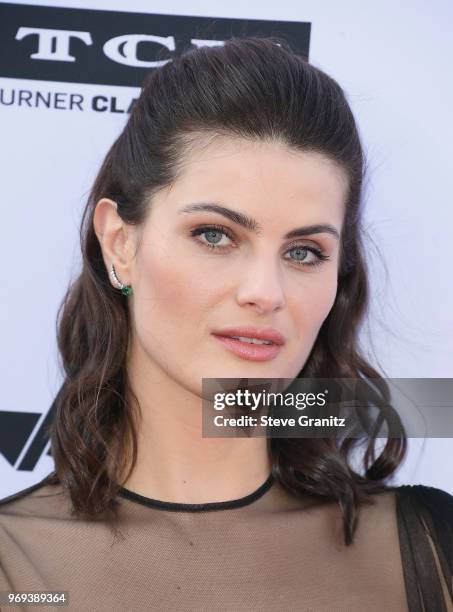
x,y
246,350
249,331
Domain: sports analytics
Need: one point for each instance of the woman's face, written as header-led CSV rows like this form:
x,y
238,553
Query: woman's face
x,y
184,290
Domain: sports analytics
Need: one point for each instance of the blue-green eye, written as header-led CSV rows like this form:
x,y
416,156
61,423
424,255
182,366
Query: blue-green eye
x,y
301,251
214,234
302,255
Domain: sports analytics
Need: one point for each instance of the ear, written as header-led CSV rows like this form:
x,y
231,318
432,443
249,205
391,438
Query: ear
x,y
115,238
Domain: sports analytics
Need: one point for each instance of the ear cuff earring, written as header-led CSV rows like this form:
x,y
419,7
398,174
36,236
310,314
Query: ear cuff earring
x,y
125,289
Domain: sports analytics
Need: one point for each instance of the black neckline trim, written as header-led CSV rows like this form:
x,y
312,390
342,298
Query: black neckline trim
x,y
181,507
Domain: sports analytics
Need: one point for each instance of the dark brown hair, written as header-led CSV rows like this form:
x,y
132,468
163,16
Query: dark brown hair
x,y
252,88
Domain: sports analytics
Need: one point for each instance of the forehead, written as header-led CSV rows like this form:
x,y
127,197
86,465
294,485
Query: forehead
x,y
265,179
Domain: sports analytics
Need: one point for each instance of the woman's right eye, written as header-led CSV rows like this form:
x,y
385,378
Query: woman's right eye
x,y
213,233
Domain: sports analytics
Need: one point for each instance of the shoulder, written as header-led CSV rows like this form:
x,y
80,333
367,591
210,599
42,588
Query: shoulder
x,y
432,507
425,529
425,495
39,499
23,492
32,521
421,508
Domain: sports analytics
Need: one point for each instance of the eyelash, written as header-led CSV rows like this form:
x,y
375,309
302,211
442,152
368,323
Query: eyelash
x,y
321,256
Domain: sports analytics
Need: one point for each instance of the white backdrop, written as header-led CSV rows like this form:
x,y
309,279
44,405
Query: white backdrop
x,y
394,62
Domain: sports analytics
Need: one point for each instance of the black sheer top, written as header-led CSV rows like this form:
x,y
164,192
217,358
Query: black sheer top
x,y
267,551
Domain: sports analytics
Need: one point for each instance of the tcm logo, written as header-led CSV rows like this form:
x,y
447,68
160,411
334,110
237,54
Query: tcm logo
x,y
53,45
116,48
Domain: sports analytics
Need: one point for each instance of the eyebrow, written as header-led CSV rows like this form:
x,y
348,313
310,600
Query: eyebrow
x,y
253,225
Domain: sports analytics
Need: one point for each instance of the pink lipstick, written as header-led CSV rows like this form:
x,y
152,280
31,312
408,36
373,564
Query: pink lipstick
x,y
269,346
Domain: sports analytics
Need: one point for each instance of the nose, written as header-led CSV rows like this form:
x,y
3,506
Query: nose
x,y
262,287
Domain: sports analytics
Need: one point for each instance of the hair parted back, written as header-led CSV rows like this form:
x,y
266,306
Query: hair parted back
x,y
257,89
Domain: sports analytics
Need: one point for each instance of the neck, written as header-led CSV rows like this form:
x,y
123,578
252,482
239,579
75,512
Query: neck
x,y
174,462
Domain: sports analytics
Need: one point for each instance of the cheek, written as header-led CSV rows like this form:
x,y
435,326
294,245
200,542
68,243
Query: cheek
x,y
171,289
310,308
161,287
323,300
312,305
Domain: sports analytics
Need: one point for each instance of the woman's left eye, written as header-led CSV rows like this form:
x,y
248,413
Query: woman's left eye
x,y
214,232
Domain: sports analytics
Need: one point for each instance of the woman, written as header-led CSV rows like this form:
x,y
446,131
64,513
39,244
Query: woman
x,y
230,205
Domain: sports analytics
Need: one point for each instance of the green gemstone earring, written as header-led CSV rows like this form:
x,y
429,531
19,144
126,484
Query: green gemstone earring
x,y
125,289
